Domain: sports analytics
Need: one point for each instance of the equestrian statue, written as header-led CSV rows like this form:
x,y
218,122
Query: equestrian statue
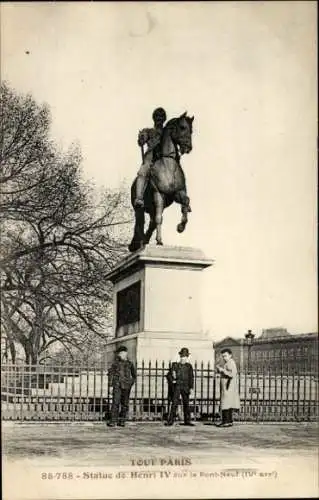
x,y
160,180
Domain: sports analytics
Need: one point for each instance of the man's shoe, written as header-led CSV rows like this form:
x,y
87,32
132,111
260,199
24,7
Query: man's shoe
x,y
111,424
168,423
121,424
189,424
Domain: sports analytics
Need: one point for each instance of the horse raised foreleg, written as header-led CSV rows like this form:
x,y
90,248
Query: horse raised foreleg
x,y
159,207
181,226
183,199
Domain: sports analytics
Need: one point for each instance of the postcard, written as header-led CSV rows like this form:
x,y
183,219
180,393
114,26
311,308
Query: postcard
x,y
159,333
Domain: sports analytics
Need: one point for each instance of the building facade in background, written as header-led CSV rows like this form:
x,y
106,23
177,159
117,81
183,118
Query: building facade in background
x,y
274,350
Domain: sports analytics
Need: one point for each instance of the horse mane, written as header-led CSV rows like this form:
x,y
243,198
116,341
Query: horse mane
x,y
170,124
173,121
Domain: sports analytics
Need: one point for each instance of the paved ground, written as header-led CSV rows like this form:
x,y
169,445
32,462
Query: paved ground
x,y
91,461
95,444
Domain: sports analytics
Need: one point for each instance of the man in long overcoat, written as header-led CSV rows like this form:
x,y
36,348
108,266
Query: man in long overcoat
x,y
122,376
180,378
229,393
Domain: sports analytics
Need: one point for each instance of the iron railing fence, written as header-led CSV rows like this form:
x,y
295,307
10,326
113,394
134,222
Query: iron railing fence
x,y
79,392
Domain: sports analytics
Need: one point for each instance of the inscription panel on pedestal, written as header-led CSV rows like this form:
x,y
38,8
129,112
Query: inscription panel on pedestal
x,y
128,305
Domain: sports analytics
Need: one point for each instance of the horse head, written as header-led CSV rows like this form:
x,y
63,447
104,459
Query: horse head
x,y
183,132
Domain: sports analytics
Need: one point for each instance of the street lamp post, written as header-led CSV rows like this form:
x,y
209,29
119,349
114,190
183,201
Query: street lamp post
x,y
249,336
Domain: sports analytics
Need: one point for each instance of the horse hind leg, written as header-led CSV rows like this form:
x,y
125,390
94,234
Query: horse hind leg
x,y
159,207
150,230
138,237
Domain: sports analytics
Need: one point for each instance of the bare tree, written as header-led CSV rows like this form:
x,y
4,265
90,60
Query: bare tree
x,y
59,237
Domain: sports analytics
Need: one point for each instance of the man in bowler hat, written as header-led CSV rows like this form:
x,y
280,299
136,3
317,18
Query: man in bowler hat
x,y
180,378
122,376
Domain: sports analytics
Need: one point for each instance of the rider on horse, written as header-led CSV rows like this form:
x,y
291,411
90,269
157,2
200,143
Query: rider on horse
x,y
152,137
161,165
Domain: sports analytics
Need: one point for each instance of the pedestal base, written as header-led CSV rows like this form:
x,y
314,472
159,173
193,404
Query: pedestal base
x,y
157,305
163,347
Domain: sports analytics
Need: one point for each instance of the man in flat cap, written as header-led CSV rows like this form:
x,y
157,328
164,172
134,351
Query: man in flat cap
x,y
180,378
122,376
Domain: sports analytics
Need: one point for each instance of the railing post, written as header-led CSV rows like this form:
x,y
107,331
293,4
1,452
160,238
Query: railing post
x,y
22,392
86,416
58,406
142,388
93,399
214,394
163,397
156,375
101,391
263,407
67,405
15,391
201,386
149,388
51,405
245,392
109,396
195,389
287,394
257,400
135,397
304,410
296,411
207,389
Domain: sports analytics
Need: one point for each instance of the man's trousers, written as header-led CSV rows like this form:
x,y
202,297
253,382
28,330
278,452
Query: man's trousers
x,y
120,404
178,392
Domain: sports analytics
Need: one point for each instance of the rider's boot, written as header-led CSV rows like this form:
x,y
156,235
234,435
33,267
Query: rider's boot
x,y
140,183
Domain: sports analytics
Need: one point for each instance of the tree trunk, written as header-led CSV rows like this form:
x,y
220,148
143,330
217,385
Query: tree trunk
x,y
12,349
29,355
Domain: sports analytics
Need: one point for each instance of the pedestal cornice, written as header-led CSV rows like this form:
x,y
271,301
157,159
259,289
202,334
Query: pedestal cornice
x,y
160,256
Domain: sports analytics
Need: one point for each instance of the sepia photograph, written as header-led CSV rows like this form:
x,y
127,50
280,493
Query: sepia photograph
x,y
158,253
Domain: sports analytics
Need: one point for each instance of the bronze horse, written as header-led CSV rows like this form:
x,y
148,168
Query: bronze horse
x,y
166,183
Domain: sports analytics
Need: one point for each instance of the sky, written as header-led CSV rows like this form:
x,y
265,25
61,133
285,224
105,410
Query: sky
x,y
247,72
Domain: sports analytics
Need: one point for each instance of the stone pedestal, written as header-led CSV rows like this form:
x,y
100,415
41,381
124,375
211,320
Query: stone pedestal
x,y
157,305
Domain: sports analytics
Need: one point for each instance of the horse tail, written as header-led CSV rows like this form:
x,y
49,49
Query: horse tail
x,y
133,192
